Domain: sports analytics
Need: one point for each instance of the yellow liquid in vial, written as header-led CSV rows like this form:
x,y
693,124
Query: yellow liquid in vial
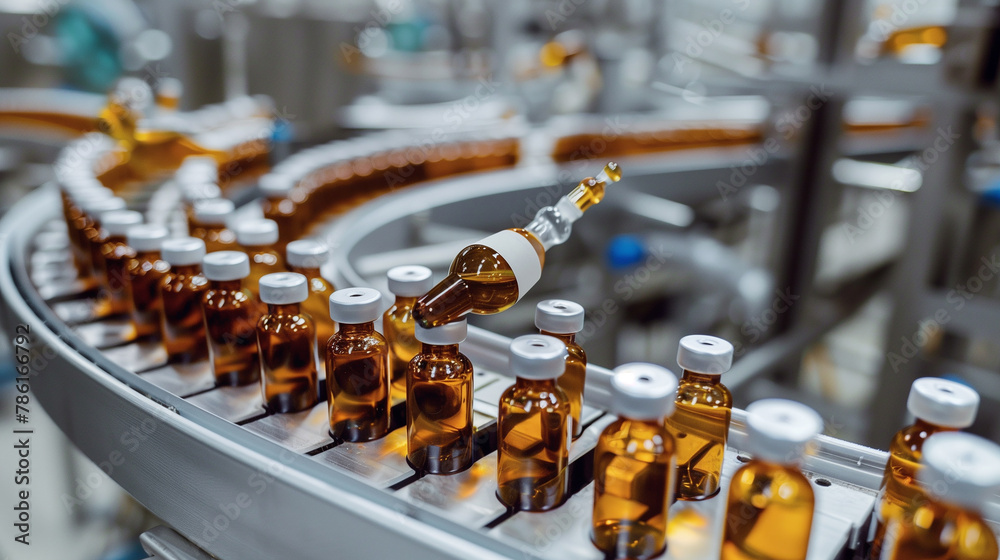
x,y
439,410
317,306
573,380
398,326
532,445
936,531
357,383
633,484
480,281
700,426
768,513
286,343
900,490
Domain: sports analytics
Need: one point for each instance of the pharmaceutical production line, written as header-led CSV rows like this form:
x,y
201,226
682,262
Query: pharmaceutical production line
x,y
428,301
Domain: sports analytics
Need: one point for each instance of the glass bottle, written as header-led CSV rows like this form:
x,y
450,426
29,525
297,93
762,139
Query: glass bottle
x,y
286,343
357,367
439,402
938,405
144,274
306,257
770,505
115,255
257,238
407,283
490,276
168,94
94,235
961,472
634,465
77,221
182,288
562,319
700,424
209,225
231,314
534,427
279,207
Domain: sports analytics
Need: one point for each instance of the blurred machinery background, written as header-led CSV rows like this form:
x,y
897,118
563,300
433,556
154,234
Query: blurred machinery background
x,y
847,242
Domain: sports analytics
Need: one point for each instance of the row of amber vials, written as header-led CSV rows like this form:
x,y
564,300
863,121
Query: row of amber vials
x,y
295,201
938,406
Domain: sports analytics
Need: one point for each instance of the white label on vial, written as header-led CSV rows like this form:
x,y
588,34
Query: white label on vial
x,y
520,255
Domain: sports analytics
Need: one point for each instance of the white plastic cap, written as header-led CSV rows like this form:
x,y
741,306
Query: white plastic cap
x,y
448,333
183,251
701,353
214,211
83,192
198,169
255,233
779,430
200,191
535,356
99,205
118,222
643,391
960,469
223,266
353,306
410,281
276,184
146,237
282,288
943,403
559,316
306,253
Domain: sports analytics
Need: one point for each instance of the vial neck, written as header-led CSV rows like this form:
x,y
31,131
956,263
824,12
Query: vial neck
x,y
567,338
227,285
404,301
537,384
147,255
357,328
449,350
308,272
701,378
930,428
186,270
120,239
283,309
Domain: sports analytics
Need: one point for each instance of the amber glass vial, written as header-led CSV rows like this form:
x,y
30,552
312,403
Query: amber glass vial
x,y
258,239
562,319
115,255
182,321
634,465
491,275
209,225
937,405
533,430
357,367
231,314
144,274
407,283
961,473
279,207
769,510
93,236
194,193
307,257
78,222
286,343
700,424
439,402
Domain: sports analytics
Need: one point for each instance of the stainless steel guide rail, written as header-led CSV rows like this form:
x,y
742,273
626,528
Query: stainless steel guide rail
x,y
241,484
